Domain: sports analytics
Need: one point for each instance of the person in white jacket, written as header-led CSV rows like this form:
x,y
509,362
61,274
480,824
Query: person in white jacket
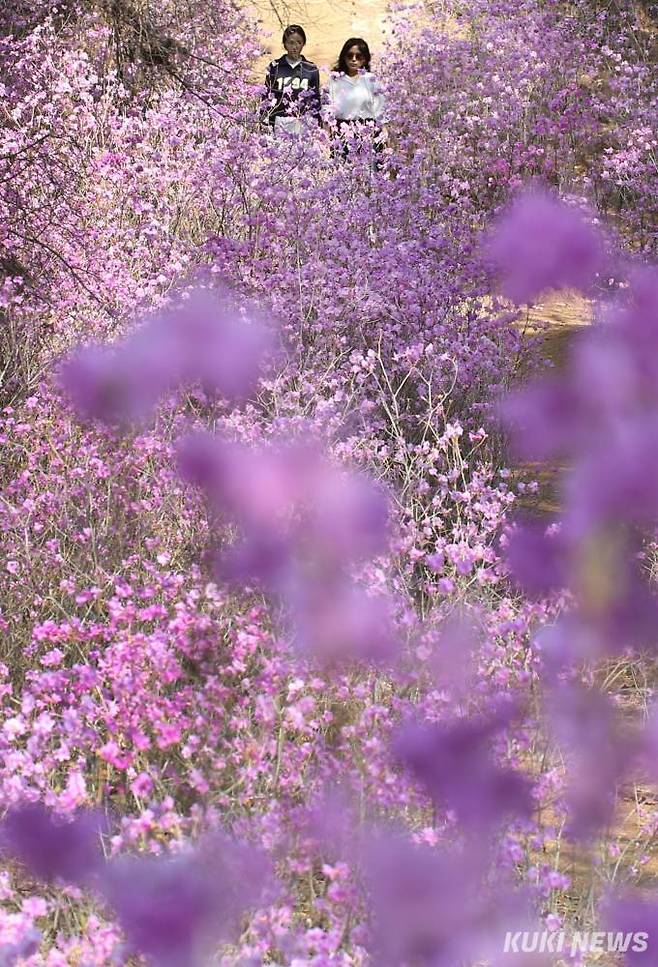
x,y
355,103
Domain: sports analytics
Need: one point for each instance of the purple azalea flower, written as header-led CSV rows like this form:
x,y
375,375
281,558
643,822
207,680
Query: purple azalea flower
x,y
173,910
546,419
50,846
215,340
436,908
634,920
336,621
543,244
112,385
348,517
538,561
16,953
454,763
583,721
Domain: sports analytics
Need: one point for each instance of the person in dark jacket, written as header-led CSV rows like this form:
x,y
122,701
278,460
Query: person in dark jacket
x,y
292,86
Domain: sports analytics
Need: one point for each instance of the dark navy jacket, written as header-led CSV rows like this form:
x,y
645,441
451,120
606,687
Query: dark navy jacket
x,y
290,90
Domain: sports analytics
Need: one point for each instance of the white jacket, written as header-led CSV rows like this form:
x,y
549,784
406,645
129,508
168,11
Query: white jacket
x,y
355,98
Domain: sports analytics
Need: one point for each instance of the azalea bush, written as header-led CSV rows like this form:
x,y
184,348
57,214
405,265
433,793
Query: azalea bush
x,y
285,678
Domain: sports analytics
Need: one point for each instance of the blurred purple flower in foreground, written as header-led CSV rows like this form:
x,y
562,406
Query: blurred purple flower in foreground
x,y
339,622
584,723
258,488
349,516
455,763
603,405
455,649
541,244
210,338
546,418
260,560
217,340
52,847
341,516
635,917
537,558
16,953
330,824
601,414
618,476
303,524
173,910
112,385
436,908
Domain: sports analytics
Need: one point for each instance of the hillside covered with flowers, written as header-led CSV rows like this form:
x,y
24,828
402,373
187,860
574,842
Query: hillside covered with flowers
x,y
294,670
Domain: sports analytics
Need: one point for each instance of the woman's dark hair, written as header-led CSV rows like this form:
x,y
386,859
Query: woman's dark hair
x,y
342,57
293,29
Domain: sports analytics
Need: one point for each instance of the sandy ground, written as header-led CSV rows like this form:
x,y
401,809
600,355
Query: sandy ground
x,y
560,317
328,24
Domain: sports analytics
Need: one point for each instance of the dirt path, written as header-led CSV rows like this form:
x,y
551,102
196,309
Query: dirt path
x,y
635,829
328,24
564,315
